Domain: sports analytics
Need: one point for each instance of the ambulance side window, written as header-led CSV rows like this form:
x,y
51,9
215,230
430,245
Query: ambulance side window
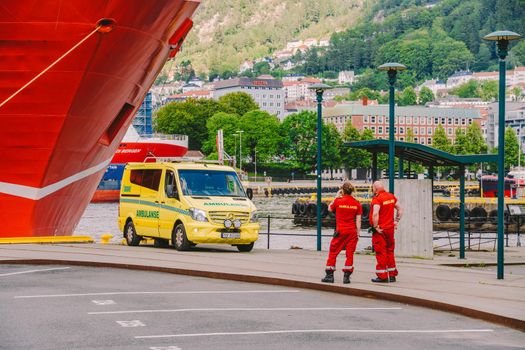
x,y
170,187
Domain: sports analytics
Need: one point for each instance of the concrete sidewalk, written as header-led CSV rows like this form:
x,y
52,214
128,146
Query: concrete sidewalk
x,y
472,291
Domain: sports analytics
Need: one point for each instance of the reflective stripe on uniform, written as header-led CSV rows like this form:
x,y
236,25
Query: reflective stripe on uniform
x,y
391,269
380,271
330,267
348,267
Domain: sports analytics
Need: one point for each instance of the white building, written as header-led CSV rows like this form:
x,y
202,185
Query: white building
x,y
267,93
458,78
346,77
298,90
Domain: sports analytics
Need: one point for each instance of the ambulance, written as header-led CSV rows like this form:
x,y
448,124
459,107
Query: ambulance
x,y
186,203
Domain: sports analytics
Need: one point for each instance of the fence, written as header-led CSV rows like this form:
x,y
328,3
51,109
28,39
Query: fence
x,y
473,238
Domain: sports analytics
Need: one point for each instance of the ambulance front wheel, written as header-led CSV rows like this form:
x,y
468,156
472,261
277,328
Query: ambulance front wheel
x,y
245,247
131,234
179,239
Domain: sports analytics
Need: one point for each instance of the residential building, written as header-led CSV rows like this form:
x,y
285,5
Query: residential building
x,y
190,87
436,86
423,121
310,42
458,78
245,66
324,42
196,94
346,77
514,117
267,92
298,90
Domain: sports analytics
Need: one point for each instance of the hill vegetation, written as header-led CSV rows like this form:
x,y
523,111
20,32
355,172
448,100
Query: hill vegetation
x,y
434,38
227,32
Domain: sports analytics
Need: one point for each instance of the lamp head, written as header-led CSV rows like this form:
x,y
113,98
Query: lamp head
x,y
319,87
392,66
502,35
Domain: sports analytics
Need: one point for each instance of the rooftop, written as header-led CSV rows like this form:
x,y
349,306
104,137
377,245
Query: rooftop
x,y
244,81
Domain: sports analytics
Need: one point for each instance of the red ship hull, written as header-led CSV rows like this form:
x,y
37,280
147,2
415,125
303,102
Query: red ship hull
x,y
61,130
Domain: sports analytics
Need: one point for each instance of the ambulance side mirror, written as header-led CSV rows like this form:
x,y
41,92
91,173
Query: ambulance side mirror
x,y
171,191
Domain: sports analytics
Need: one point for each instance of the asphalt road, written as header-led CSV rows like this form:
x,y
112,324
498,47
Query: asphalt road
x,y
68,307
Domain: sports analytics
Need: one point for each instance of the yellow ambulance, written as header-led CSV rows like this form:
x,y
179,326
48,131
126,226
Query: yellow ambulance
x,y
186,203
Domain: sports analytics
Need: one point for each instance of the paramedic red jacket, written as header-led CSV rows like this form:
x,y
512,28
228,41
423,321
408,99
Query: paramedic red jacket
x,y
387,203
346,208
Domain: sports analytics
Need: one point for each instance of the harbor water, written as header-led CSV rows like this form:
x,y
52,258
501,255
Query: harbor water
x,y
101,218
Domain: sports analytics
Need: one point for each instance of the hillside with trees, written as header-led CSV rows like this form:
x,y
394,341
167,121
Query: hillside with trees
x,y
227,32
434,38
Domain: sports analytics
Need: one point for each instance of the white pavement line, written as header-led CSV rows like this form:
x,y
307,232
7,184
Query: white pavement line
x,y
32,271
429,331
162,292
133,323
245,309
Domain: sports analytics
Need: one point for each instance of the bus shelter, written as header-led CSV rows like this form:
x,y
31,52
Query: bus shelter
x,y
428,157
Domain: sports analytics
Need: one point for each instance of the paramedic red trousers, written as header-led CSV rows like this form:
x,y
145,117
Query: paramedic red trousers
x,y
384,245
348,241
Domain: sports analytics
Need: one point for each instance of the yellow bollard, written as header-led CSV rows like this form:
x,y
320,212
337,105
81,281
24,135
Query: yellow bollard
x,y
105,238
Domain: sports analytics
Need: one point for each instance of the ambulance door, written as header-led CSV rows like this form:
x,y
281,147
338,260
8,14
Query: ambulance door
x,y
170,206
147,214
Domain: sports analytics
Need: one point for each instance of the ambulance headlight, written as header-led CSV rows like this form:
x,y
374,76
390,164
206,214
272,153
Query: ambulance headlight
x,y
254,217
228,223
198,214
237,223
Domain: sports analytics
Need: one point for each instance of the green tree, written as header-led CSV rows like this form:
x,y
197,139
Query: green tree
x,y
408,97
409,137
488,90
187,118
440,140
511,148
238,102
261,132
353,158
425,96
299,130
476,141
261,68
449,56
515,92
331,148
461,145
470,89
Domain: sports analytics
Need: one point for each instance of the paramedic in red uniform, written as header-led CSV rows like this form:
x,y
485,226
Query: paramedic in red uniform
x,y
382,211
348,213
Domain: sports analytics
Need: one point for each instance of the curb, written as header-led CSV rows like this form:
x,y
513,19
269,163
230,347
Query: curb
x,y
47,239
436,305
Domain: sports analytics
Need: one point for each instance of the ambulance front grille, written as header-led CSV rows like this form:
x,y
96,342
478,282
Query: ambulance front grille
x,y
218,217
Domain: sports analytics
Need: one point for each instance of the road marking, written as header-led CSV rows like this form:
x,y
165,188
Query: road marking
x,y
163,292
429,331
32,271
133,323
103,302
245,309
173,347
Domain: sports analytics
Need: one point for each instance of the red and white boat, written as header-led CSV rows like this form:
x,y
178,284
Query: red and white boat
x,y
137,148
72,75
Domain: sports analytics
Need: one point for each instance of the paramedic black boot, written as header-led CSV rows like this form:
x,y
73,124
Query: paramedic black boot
x,y
346,277
329,278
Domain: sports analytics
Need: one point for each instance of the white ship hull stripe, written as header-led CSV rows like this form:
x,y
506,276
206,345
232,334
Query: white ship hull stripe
x,y
36,193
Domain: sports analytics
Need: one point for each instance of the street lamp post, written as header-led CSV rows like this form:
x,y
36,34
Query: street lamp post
x,y
319,90
255,150
240,149
235,147
502,38
392,69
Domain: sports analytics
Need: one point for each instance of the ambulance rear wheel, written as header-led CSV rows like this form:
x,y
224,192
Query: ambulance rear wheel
x,y
245,247
131,234
179,239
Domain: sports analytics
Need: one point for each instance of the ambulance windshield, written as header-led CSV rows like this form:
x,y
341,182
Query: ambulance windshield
x,y
210,183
